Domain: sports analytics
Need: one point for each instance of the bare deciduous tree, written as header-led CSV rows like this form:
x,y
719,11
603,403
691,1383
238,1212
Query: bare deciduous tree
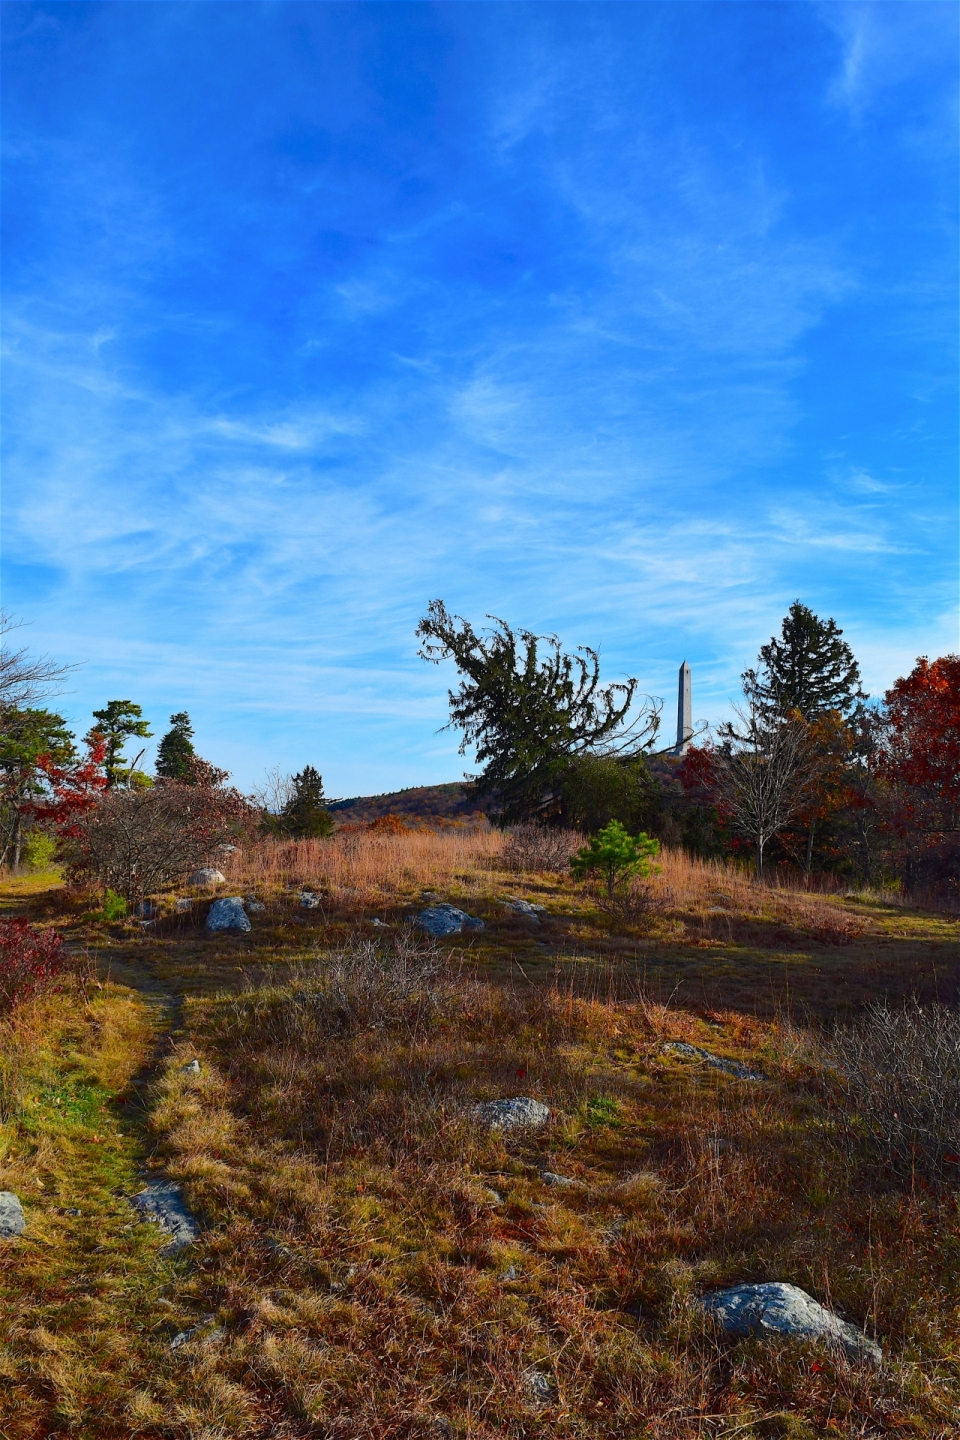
x,y
25,679
762,771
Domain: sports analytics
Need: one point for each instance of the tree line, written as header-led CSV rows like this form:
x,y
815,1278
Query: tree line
x,y
810,774
97,809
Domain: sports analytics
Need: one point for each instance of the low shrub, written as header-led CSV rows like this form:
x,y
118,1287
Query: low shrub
x,y
538,849
31,960
900,1080
137,841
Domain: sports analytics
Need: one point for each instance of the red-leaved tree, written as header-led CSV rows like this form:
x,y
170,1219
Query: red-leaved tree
x,y
75,788
919,761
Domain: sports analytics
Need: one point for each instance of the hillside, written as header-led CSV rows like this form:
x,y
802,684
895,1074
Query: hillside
x,y
421,804
369,1258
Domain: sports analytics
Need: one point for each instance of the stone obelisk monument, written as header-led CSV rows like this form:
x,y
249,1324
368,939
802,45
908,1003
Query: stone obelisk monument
x,y
684,711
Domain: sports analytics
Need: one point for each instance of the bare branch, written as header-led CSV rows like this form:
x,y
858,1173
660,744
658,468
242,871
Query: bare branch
x,y
24,679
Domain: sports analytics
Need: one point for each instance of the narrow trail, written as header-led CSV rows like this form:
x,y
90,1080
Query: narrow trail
x,y
167,1008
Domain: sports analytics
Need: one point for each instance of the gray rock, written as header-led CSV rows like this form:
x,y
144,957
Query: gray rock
x,y
539,1387
181,905
192,1067
520,1113
510,1273
556,1182
227,914
379,924
12,1220
202,1328
778,1309
70,1210
309,900
446,920
729,1067
206,876
279,1250
524,907
146,910
254,907
162,1203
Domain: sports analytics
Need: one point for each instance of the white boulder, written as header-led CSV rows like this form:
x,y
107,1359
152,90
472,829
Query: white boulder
x,y
520,1113
447,920
775,1308
227,914
12,1221
206,876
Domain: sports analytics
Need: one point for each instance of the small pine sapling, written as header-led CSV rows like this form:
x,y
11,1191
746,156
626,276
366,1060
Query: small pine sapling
x,y
616,856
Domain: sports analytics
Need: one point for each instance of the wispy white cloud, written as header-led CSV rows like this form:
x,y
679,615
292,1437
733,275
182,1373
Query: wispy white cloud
x,y
884,45
572,388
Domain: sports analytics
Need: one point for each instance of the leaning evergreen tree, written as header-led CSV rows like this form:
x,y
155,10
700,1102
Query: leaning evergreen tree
x,y
810,669
529,709
305,815
175,753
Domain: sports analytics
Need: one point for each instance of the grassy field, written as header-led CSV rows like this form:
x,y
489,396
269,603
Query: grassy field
x,y
372,1262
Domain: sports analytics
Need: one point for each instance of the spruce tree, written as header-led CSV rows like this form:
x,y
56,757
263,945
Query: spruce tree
x,y
305,815
175,752
809,668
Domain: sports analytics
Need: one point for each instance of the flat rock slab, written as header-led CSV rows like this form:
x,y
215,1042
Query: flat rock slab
x,y
556,1182
202,1329
521,1113
228,914
540,1389
525,908
206,876
162,1203
12,1219
779,1309
729,1067
446,920
309,900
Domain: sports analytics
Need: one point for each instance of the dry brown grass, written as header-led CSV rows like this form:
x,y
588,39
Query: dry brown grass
x,y
366,867
363,1279
370,1281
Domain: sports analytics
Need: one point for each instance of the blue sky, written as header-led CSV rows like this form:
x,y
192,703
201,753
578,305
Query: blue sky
x,y
630,322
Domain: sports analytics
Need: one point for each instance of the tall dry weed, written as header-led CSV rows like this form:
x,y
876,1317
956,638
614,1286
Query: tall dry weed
x,y
366,867
899,1074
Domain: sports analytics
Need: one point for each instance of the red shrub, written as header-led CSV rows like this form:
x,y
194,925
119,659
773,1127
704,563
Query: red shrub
x,y
30,960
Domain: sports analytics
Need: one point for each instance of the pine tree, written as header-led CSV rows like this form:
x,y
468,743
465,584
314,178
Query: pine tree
x,y
117,722
810,669
305,815
175,753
